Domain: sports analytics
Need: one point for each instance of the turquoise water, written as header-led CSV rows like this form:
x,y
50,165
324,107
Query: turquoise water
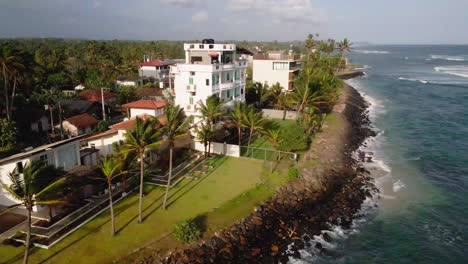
x,y
419,105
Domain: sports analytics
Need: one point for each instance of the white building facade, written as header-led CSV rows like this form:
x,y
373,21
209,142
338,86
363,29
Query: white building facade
x,y
64,154
275,68
209,69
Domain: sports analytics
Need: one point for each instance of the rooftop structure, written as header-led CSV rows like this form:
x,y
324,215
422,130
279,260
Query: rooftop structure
x,y
150,107
209,69
276,67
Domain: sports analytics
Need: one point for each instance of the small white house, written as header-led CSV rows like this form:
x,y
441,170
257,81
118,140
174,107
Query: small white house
x,y
149,107
64,154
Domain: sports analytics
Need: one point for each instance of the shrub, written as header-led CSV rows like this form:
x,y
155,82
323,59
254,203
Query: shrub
x,y
187,231
292,173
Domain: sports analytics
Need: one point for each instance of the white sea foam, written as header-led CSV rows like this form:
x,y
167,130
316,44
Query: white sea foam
x,y
412,80
372,51
398,185
458,70
449,58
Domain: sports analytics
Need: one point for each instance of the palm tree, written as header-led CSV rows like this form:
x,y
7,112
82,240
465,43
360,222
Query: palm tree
x,y
210,110
237,116
276,90
343,46
283,102
176,127
38,184
140,140
275,138
263,91
111,169
254,121
205,134
11,65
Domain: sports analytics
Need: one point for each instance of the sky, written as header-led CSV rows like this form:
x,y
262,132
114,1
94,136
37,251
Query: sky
x,y
374,21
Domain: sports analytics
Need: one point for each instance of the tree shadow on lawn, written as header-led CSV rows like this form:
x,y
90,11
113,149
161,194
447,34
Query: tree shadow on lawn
x,y
89,232
193,186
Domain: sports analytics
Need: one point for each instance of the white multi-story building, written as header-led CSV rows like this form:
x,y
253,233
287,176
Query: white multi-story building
x,y
209,69
276,67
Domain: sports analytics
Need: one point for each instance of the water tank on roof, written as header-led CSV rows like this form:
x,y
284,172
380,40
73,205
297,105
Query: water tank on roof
x,y
208,41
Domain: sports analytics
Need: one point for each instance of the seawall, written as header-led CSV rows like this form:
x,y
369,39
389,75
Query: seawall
x,y
329,191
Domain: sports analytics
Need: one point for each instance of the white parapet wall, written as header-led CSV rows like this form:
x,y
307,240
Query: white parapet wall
x,y
219,148
278,114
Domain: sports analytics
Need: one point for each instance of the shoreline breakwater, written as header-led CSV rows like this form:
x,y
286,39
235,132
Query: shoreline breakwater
x,y
329,191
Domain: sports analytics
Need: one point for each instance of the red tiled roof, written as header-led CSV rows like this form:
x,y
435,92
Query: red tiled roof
x,y
103,134
145,104
149,91
95,95
157,63
83,120
130,124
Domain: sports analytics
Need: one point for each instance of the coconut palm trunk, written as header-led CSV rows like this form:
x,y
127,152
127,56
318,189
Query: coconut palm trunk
x,y
140,202
240,134
28,237
170,175
111,206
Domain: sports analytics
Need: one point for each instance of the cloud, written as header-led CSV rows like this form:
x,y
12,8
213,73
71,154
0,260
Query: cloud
x,y
279,11
97,4
183,3
200,16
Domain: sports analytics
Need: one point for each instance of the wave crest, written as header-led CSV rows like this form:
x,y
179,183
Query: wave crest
x,y
372,51
449,58
412,80
461,70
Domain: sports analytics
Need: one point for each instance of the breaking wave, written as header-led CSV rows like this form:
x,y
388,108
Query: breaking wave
x,y
461,70
412,80
372,51
449,58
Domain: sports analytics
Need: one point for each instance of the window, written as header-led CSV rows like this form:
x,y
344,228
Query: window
x,y
213,79
280,66
196,59
192,73
192,46
44,159
191,80
242,91
211,46
201,46
227,76
207,82
228,94
191,100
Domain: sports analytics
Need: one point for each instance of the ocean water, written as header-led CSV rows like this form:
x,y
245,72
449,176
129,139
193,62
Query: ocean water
x,y
419,106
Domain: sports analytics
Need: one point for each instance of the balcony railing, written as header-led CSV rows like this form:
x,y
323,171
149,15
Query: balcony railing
x,y
276,57
226,85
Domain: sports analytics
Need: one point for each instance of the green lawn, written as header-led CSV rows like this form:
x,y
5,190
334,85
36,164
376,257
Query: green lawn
x,y
235,186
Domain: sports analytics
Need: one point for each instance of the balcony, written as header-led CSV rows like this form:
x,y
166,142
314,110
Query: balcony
x,y
290,57
190,108
225,86
192,88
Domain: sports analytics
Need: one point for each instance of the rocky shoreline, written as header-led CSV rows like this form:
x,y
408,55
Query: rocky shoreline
x,y
329,191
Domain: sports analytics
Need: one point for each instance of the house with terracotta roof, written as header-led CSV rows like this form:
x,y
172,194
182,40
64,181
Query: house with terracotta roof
x,y
155,68
149,107
95,95
150,93
116,133
79,124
